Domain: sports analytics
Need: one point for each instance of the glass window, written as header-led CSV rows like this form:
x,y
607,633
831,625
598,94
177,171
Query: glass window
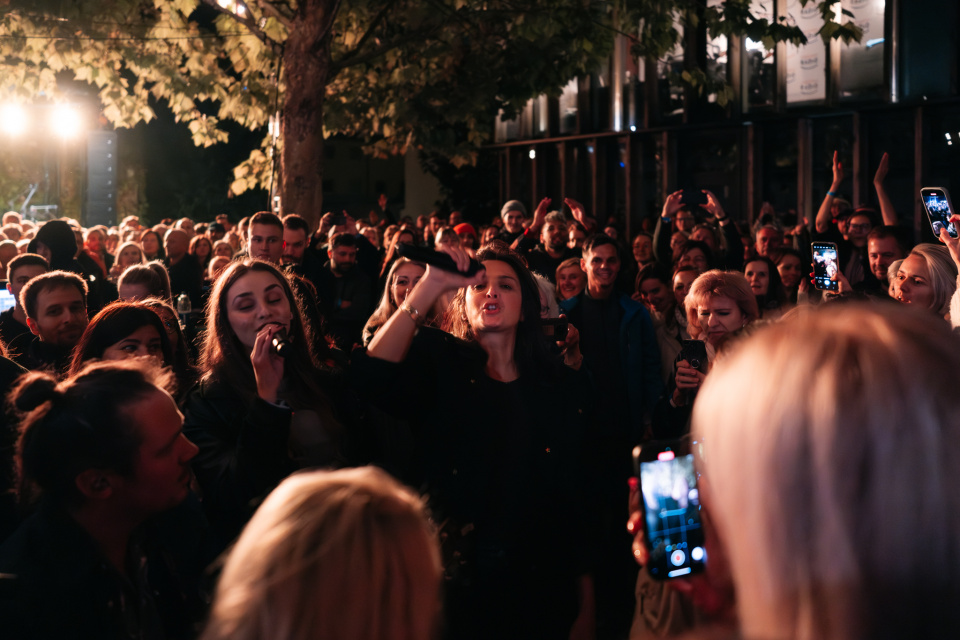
x,y
670,93
942,149
778,170
861,63
568,107
760,62
505,130
807,64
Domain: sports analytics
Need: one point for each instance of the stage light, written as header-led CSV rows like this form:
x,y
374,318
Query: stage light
x,y
13,119
65,121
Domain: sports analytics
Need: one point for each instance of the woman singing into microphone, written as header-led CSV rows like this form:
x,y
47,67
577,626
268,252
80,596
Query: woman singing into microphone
x,y
255,415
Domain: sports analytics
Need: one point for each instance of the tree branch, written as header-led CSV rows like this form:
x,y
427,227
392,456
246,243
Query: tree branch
x,y
369,32
268,7
352,59
246,21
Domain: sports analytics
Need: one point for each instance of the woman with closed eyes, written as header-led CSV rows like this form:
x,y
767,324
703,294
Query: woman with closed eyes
x,y
257,416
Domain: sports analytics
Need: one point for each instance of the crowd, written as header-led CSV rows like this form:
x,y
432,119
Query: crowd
x,y
269,430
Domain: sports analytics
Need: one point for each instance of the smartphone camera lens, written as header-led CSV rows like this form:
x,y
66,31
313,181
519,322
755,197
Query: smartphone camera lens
x,y
695,363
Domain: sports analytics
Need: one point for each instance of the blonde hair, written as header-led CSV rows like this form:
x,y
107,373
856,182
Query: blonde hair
x,y
339,554
833,483
717,284
943,274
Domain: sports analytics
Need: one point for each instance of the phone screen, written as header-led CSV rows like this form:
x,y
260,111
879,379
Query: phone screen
x,y
671,507
937,204
826,266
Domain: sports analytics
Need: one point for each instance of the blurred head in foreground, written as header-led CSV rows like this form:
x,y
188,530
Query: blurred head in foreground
x,y
341,554
832,485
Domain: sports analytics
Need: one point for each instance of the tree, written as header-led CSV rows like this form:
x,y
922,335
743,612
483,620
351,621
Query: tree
x,y
432,73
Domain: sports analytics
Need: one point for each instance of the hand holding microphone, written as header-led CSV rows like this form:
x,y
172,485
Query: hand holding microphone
x,y
281,343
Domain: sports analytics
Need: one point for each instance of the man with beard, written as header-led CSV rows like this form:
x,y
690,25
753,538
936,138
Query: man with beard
x,y
56,307
346,292
545,257
884,247
513,214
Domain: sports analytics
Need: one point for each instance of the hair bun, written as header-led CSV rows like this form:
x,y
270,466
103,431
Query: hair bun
x,y
34,389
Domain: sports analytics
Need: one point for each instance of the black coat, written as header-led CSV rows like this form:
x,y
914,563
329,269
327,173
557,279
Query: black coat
x,y
502,466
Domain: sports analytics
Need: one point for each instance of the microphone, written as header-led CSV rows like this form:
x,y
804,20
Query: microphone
x,y
281,343
436,259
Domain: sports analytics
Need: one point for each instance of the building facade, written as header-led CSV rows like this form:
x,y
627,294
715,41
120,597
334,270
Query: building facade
x,y
622,138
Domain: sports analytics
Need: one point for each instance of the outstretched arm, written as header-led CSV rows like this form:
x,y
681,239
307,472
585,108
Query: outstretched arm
x,y
886,206
824,216
580,215
393,340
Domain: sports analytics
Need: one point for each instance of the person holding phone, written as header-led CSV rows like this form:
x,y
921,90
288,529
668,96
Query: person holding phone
x,y
719,306
828,499
953,246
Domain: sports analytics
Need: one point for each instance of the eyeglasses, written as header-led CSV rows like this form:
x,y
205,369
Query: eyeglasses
x,y
859,227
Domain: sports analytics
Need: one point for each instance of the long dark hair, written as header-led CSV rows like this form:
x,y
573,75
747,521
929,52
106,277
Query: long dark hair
x,y
776,295
161,253
532,351
225,360
182,365
115,322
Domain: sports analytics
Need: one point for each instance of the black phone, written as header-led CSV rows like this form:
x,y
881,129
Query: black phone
x,y
695,353
936,201
339,220
826,266
693,197
670,503
555,328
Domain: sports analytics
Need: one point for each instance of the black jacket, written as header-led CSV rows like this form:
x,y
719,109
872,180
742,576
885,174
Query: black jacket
x,y
502,465
55,583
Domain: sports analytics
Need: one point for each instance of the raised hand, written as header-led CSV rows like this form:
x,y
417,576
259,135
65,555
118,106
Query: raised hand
x,y
837,171
441,280
712,205
540,214
350,223
673,203
882,169
953,244
579,214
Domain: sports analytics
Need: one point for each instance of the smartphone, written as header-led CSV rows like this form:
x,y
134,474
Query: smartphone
x,y
826,266
936,201
670,502
339,220
693,197
555,328
695,353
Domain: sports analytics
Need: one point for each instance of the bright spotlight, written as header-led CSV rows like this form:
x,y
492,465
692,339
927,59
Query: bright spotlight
x,y
13,119
65,121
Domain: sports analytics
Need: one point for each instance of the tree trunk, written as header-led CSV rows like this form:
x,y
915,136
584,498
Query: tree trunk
x,y
306,67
